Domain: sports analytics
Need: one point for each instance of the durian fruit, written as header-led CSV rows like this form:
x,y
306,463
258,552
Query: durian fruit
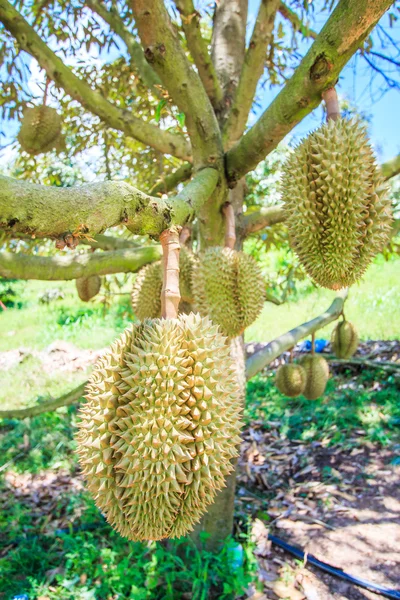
x,y
88,287
317,375
336,203
228,287
344,339
160,426
40,130
146,293
291,380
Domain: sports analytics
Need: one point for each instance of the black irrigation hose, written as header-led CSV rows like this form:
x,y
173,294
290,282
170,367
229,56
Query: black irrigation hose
x,y
298,553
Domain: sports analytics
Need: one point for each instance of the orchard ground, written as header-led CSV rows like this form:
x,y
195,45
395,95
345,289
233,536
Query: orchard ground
x,y
323,474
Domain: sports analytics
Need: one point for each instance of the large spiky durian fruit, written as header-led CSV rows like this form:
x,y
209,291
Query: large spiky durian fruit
x,y
228,286
344,339
336,203
88,287
40,130
317,375
146,292
290,380
160,426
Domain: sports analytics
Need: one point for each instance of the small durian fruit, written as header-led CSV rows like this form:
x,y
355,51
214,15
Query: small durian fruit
x,y
146,292
344,339
228,287
336,203
317,375
40,130
160,426
88,287
291,380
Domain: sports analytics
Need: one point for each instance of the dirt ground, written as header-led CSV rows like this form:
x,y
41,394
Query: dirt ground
x,y
350,520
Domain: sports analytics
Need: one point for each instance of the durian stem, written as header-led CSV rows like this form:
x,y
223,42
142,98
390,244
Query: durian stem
x,y
230,230
291,356
313,343
332,104
170,294
185,235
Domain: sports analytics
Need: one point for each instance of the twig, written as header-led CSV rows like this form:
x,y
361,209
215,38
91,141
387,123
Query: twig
x,y
37,409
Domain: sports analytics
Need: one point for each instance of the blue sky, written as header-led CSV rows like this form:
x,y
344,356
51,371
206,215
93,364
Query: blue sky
x,y
357,83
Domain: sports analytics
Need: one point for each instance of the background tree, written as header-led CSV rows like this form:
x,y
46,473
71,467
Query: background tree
x,y
156,94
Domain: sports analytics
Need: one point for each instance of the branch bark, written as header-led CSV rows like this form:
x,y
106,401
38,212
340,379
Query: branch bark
x,y
198,49
252,69
50,211
135,50
80,90
391,168
266,216
164,52
32,411
259,360
169,182
71,266
341,36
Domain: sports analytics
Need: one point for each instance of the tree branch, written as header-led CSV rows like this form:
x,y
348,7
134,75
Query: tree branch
x,y
198,49
80,90
135,50
391,168
259,360
252,69
164,52
266,216
108,242
45,211
341,36
32,411
296,22
169,182
71,266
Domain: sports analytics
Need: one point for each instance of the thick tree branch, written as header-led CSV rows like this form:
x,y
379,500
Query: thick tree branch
x,y
72,266
252,69
80,90
108,242
228,47
259,360
341,36
199,51
266,216
135,50
164,52
296,22
31,411
45,211
391,168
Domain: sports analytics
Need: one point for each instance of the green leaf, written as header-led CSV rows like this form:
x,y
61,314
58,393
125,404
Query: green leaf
x,y
180,117
159,108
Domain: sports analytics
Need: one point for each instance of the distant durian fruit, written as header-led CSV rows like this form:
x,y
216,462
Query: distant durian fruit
x,y
160,426
228,287
344,339
291,380
146,292
317,375
336,203
88,287
40,130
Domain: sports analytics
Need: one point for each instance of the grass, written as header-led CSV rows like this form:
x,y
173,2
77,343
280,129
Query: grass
x,y
373,306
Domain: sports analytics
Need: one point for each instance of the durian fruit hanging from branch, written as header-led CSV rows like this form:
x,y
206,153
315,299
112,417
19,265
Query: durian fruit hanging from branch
x,y
88,287
317,373
228,285
336,202
344,339
291,379
146,292
162,418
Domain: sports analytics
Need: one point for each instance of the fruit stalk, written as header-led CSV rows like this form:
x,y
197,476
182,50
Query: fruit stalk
x,y
332,104
170,294
230,231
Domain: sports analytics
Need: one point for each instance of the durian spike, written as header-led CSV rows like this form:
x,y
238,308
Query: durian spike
x,y
170,294
332,104
230,231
